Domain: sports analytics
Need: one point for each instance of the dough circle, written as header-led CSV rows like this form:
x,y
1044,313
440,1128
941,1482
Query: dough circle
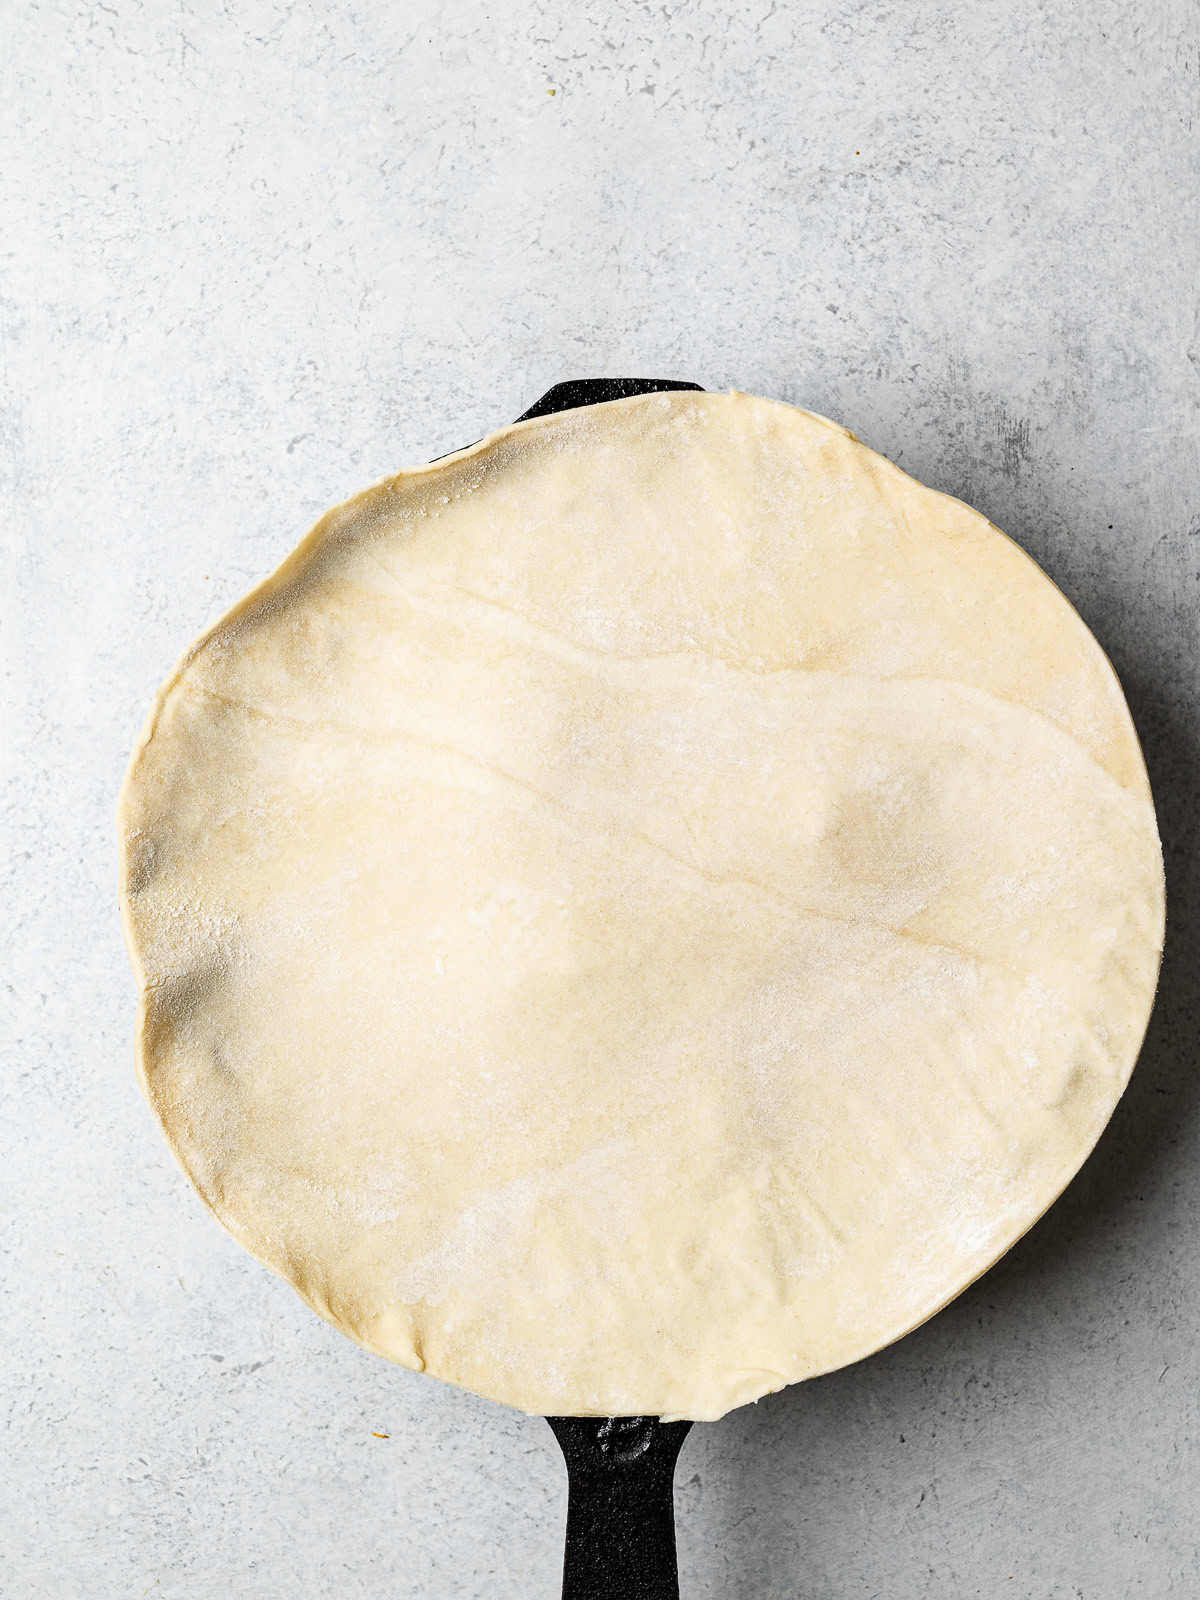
x,y
643,910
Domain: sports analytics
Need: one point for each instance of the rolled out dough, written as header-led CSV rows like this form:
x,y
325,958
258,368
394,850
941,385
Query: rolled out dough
x,y
641,911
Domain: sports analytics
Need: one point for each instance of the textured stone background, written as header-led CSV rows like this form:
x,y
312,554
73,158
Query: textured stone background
x,y
256,256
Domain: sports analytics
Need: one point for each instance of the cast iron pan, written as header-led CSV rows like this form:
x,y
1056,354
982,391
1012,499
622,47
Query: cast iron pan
x,y
620,1470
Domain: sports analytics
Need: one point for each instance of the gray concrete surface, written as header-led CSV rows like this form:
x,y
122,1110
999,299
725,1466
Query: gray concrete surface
x,y
256,255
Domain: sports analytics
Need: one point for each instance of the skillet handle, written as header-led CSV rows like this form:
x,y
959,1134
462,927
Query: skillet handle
x,y
596,391
591,392
620,1514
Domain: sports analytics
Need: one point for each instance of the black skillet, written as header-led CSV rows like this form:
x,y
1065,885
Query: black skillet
x,y
620,1470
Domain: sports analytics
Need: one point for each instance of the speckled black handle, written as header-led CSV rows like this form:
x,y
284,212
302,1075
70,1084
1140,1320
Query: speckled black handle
x,y
578,392
620,1513
596,391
